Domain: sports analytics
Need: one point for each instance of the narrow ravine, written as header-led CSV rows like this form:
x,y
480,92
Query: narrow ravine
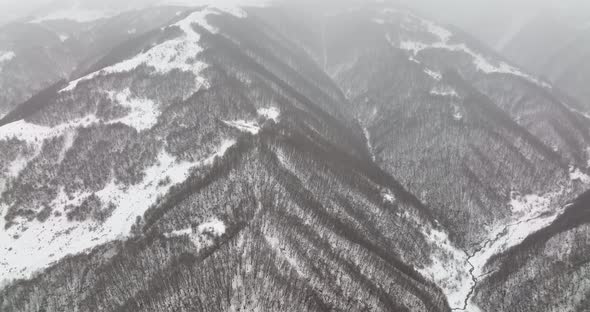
x,y
498,244
472,289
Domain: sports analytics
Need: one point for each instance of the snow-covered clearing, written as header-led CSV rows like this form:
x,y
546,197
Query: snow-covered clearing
x,y
270,113
31,246
577,175
16,166
388,197
143,115
252,126
445,91
6,56
244,126
449,268
435,75
36,134
144,112
457,114
69,137
201,236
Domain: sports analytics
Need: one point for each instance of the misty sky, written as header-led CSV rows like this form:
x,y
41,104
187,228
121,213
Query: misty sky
x,y
463,9
495,21
12,9
489,20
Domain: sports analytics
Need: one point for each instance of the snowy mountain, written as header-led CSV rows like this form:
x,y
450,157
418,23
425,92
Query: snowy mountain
x,y
269,158
35,56
568,68
555,47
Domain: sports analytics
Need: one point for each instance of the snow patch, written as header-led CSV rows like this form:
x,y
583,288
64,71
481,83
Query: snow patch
x,y
63,37
444,91
388,197
449,268
527,204
577,175
180,233
457,114
5,57
18,165
443,34
203,235
412,59
252,126
244,126
435,75
270,113
413,46
36,134
144,112
214,227
221,149
69,137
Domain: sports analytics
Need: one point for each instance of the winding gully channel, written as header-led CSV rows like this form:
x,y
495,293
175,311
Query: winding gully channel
x,y
502,239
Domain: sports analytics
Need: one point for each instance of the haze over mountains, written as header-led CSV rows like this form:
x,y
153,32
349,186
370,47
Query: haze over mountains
x,y
266,156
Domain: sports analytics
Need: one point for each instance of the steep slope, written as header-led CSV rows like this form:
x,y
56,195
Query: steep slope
x,y
531,102
273,230
402,100
34,56
436,112
235,171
